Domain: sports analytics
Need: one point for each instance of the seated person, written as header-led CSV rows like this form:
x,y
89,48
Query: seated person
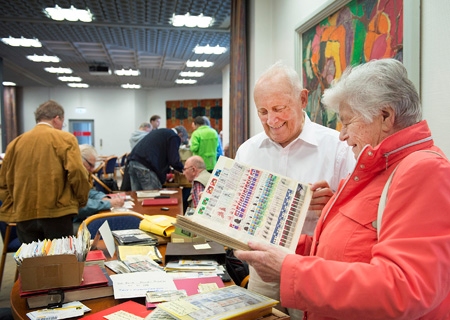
x,y
196,173
97,201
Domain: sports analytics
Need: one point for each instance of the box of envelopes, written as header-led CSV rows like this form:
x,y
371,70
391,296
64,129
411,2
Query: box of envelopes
x,y
49,272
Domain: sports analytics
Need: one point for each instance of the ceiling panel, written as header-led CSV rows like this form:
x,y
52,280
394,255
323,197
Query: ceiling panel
x,y
124,34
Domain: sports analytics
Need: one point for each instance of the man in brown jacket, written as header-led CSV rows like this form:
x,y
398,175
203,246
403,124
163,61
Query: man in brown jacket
x,y
42,179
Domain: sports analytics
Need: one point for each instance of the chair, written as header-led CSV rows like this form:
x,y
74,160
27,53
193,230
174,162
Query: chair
x,y
116,220
109,168
11,243
122,163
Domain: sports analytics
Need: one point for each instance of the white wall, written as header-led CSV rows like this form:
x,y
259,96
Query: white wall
x,y
273,25
116,112
435,70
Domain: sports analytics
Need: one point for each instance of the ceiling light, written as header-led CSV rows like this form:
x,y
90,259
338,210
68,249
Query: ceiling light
x,y
187,20
78,85
209,50
192,74
22,42
199,64
44,58
185,81
58,70
131,86
9,84
129,72
69,79
72,14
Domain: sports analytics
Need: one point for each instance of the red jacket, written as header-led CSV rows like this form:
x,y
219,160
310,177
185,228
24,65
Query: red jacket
x,y
405,274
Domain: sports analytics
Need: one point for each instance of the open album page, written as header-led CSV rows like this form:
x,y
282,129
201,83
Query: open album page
x,y
244,203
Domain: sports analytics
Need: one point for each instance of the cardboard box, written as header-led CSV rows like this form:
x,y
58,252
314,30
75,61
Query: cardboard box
x,y
49,272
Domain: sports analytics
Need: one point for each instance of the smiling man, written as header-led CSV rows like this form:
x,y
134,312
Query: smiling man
x,y
294,146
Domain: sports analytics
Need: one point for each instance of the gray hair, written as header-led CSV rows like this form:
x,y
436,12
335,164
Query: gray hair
x,y
281,69
48,110
145,125
370,87
87,151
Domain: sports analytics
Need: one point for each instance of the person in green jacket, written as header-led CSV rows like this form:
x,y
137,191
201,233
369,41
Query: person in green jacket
x,y
204,142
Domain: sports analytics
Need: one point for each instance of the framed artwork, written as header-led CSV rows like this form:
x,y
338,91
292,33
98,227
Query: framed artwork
x,y
343,33
183,112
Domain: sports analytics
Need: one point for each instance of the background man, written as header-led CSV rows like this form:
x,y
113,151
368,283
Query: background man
x,y
138,134
152,158
42,178
97,200
204,142
155,121
293,146
195,171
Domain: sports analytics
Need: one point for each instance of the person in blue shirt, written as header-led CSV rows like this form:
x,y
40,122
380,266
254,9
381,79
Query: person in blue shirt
x,y
97,201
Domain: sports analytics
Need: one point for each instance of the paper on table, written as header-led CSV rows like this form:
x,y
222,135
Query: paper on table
x,y
168,191
136,284
108,238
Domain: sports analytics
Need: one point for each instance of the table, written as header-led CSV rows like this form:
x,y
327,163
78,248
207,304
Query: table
x,y
19,306
173,211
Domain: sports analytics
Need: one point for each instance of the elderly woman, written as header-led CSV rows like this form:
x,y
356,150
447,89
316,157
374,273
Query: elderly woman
x,y
348,271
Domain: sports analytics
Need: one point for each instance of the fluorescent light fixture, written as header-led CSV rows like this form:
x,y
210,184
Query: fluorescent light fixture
x,y
185,81
195,74
69,79
209,50
129,72
131,86
72,14
199,64
22,42
78,85
189,21
58,70
9,84
43,58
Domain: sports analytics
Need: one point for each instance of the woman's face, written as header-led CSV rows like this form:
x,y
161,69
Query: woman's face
x,y
359,133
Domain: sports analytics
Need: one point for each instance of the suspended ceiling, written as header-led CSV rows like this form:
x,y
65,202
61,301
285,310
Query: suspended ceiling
x,y
124,34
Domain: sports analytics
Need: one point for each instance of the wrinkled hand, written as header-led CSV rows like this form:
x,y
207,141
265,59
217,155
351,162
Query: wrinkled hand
x,y
266,260
117,202
321,195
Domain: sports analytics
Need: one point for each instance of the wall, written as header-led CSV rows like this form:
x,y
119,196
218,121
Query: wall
x,y
435,70
116,112
273,25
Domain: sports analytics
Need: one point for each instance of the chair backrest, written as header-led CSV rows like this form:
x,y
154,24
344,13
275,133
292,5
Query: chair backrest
x,y
14,242
110,166
116,220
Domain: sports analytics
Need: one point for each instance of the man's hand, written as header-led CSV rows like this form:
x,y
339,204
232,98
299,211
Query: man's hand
x,y
266,260
321,195
116,202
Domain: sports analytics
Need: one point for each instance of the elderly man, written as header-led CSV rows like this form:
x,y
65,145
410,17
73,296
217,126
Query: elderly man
x,y
97,201
204,142
42,178
195,171
403,271
138,134
293,146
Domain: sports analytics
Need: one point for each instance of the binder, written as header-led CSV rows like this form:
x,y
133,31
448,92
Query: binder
x,y
159,202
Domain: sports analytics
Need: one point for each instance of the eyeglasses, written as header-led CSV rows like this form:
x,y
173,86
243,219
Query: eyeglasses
x,y
184,169
92,166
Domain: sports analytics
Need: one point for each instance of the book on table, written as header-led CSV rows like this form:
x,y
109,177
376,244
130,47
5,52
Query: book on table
x,y
242,203
96,284
232,302
134,237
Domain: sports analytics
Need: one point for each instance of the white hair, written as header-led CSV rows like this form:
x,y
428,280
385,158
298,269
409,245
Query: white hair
x,y
370,87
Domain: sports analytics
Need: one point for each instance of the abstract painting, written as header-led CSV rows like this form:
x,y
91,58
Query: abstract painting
x,y
183,112
360,31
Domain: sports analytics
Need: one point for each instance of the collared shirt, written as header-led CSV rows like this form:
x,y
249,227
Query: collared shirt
x,y
316,154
